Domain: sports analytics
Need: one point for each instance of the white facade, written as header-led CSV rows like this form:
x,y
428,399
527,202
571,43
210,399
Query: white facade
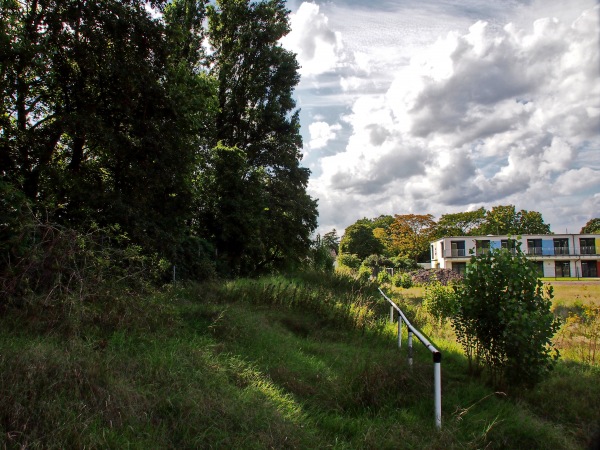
x,y
555,255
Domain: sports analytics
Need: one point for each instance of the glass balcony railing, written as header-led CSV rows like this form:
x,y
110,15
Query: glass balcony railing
x,y
534,251
561,250
458,252
589,250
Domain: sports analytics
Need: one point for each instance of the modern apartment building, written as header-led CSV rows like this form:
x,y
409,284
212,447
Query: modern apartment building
x,y
556,255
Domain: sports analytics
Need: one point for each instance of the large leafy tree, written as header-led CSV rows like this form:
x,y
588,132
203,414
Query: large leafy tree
x,y
91,116
359,240
256,77
504,219
592,226
411,234
460,224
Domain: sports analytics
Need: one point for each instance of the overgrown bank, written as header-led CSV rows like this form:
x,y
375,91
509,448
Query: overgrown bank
x,y
282,362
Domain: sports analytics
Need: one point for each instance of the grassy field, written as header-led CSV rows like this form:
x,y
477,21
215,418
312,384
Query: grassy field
x,y
302,362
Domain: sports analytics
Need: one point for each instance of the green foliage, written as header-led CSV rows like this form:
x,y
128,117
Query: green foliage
x,y
592,226
365,273
503,318
359,240
404,264
383,277
440,301
349,260
321,258
582,330
403,280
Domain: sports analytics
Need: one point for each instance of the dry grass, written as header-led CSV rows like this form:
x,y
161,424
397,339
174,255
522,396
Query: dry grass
x,y
569,293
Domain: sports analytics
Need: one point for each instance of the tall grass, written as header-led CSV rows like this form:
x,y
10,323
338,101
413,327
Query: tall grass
x,y
306,361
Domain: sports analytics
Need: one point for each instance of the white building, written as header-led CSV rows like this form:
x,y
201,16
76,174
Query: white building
x,y
555,255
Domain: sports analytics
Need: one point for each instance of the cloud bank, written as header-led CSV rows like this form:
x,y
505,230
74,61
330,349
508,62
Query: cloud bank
x,y
481,116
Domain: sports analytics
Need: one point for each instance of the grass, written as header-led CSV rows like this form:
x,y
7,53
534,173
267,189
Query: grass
x,y
282,362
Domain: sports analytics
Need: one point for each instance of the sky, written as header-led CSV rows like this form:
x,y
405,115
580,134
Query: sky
x,y
435,107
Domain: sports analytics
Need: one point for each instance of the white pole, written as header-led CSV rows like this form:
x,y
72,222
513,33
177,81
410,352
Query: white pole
x,y
437,381
410,348
391,314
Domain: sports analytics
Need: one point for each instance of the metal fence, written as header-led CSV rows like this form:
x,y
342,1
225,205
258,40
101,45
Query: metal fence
x,y
437,356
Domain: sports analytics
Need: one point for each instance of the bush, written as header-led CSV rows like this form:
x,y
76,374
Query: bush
x,y
404,264
365,273
383,277
503,318
349,260
403,280
440,301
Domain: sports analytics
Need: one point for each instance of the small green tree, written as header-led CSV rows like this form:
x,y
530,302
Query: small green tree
x,y
503,318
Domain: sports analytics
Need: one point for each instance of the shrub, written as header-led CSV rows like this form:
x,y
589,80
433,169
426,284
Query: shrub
x,y
383,277
503,318
403,280
404,264
440,301
349,260
365,273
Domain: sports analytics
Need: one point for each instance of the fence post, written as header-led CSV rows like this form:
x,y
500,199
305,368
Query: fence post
x,y
437,388
391,314
410,348
399,331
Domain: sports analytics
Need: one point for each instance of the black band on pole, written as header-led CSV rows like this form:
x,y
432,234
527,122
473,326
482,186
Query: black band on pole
x,y
437,357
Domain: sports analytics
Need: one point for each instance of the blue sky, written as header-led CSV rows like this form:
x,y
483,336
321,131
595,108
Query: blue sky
x,y
433,107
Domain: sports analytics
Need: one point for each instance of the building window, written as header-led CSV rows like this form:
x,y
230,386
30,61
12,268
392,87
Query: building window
x,y
538,266
562,269
459,267
534,246
482,247
587,246
589,269
509,244
458,248
561,246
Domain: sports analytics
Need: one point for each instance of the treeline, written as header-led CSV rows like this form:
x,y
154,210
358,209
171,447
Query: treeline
x,y
171,122
409,235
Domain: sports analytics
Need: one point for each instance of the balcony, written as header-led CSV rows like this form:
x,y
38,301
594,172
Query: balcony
x,y
534,251
589,250
561,250
458,253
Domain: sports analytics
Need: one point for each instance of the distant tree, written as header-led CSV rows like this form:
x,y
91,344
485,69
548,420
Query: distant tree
x,y
460,224
331,240
592,226
359,240
411,234
501,219
531,222
504,219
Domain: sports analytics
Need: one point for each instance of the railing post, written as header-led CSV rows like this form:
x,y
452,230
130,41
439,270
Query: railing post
x,y
399,331
391,314
437,388
410,348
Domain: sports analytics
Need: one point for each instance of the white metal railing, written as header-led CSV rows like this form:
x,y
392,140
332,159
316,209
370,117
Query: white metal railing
x,y
437,356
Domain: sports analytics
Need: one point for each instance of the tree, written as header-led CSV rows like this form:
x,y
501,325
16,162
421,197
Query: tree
x,y
531,222
504,219
459,224
359,240
331,240
411,234
256,77
93,115
503,317
591,227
